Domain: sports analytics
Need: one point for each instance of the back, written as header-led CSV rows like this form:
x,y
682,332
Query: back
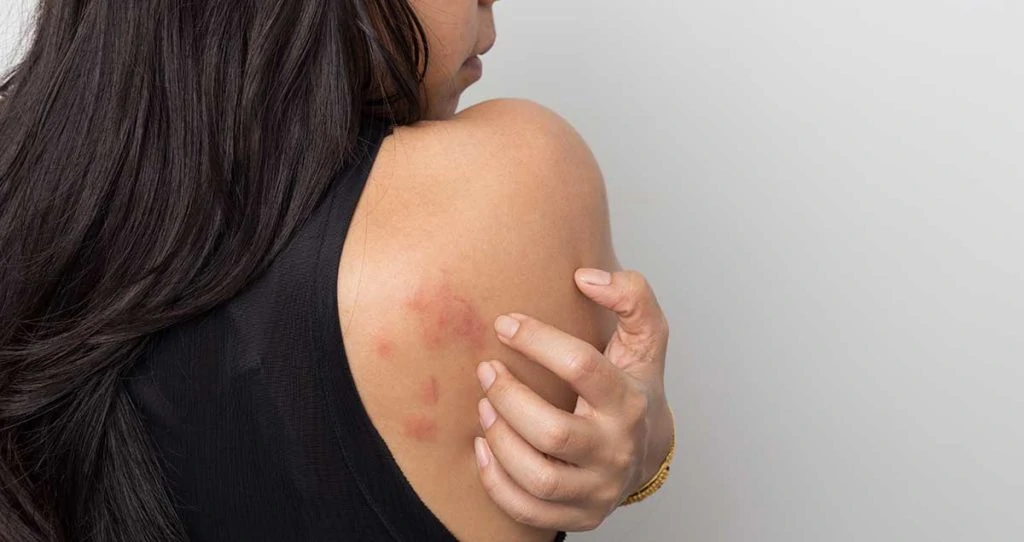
x,y
335,398
463,220
254,414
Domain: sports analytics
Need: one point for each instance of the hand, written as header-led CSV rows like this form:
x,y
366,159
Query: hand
x,y
569,471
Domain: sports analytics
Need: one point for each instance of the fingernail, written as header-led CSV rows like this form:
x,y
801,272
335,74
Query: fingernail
x,y
596,277
487,414
483,455
486,374
506,326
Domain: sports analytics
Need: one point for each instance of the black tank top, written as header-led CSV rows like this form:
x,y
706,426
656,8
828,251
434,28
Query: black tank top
x,y
254,413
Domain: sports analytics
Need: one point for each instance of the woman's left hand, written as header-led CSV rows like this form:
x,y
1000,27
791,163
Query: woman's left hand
x,y
569,471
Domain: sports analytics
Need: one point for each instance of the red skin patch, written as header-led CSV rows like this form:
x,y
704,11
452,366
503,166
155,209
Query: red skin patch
x,y
430,392
446,318
420,428
384,348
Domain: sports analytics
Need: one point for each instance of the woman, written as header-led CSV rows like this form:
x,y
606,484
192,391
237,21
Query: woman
x,y
200,201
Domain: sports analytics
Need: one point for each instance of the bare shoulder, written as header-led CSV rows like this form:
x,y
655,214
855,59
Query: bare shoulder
x,y
503,180
462,220
504,193
509,147
530,129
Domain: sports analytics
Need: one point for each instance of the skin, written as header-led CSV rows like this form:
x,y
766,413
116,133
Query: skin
x,y
457,32
467,220
459,223
560,478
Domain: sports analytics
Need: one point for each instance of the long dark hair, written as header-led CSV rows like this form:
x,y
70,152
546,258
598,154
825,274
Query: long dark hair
x,y
155,155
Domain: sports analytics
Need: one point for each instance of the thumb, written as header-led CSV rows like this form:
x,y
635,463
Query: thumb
x,y
628,294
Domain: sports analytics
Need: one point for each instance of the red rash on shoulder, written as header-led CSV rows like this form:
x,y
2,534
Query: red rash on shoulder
x,y
446,317
419,427
430,392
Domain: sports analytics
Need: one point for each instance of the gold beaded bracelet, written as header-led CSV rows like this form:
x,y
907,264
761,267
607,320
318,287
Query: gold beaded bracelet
x,y
659,478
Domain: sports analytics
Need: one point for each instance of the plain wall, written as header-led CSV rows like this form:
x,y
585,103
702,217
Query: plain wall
x,y
15,19
829,199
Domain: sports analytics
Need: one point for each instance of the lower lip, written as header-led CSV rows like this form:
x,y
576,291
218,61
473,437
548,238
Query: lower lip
x,y
475,66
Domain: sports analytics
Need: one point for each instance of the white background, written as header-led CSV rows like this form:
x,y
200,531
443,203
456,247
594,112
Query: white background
x,y
15,18
829,199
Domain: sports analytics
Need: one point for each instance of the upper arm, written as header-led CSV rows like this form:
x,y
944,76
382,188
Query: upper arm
x,y
461,221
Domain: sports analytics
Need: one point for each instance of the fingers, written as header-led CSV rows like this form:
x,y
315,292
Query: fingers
x,y
541,476
521,505
628,294
597,380
545,427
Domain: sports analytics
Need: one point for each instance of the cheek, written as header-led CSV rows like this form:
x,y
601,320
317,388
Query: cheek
x,y
451,30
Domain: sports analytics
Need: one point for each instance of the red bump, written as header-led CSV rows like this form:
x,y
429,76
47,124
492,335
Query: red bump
x,y
470,326
419,427
385,348
447,318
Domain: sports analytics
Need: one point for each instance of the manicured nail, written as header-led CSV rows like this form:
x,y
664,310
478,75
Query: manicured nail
x,y
483,454
487,413
486,374
506,326
596,277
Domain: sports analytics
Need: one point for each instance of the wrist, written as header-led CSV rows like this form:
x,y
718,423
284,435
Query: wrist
x,y
659,442
663,427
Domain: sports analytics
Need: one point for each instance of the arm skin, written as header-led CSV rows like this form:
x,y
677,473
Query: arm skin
x,y
462,220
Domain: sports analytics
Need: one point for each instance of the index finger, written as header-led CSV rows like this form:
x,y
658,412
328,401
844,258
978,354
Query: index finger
x,y
597,380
